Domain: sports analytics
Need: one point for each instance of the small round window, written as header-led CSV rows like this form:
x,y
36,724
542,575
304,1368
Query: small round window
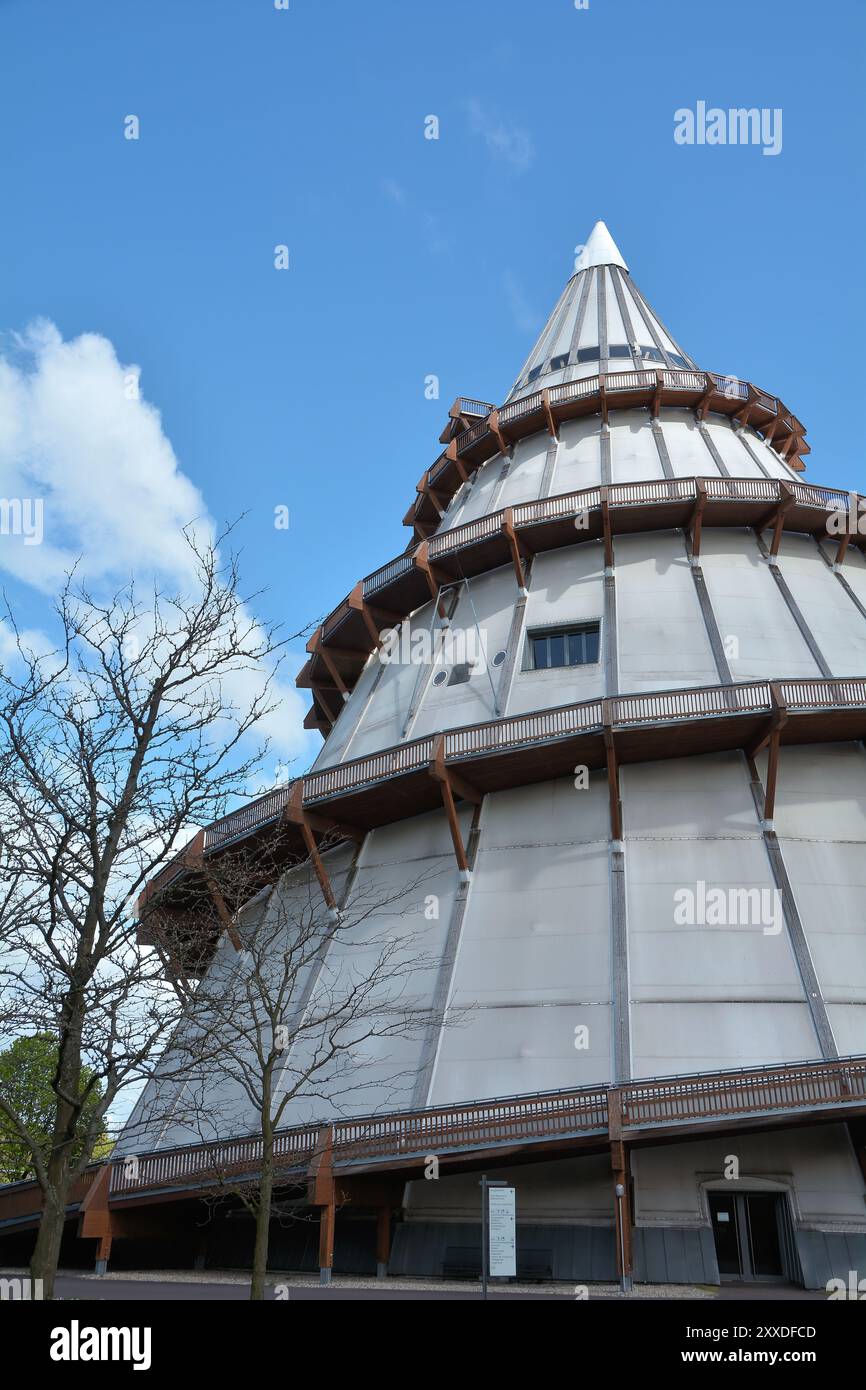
x,y
440,678
499,658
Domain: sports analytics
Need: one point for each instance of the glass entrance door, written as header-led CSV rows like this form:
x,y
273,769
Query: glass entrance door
x,y
746,1234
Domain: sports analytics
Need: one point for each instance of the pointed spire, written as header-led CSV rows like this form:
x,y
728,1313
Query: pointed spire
x,y
600,323
600,249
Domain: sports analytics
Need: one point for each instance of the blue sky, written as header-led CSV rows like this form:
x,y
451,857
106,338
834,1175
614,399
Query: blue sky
x,y
408,256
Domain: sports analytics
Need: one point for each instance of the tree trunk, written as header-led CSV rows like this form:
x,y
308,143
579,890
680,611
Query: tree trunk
x,y
263,1219
46,1254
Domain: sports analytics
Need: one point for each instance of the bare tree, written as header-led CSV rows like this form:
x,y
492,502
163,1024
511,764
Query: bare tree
x,y
134,729
309,1013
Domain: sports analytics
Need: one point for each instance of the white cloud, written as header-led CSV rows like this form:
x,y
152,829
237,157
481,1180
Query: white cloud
x,y
76,432
506,142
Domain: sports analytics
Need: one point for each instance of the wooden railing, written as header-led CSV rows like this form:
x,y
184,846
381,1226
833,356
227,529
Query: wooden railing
x,y
660,1103
612,383
787,1088
645,709
649,493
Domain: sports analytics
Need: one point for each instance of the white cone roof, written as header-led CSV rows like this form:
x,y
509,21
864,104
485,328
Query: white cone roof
x,y
600,249
601,323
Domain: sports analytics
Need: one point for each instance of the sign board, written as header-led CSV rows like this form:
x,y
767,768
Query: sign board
x,y
503,1243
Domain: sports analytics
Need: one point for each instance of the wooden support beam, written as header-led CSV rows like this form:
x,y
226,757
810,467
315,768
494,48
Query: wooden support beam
x,y
451,785
703,406
776,517
452,454
741,416
422,562
357,602
548,414
496,431
770,434
778,719
612,764
606,528
226,919
655,403
696,527
294,812
514,546
319,694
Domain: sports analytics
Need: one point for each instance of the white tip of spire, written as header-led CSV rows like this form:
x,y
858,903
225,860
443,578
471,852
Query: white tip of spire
x,y
600,249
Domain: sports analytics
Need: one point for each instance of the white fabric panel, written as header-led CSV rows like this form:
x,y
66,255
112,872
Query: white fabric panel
x,y
477,497
562,339
566,586
350,714
733,451
690,822
836,625
688,451
853,567
633,452
381,723
589,328
578,458
532,970
669,1039
661,634
489,600
402,867
762,640
616,331
848,1022
523,480
820,820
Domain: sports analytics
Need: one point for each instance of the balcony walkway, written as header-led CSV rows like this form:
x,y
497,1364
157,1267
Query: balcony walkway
x,y
342,645
490,431
346,1161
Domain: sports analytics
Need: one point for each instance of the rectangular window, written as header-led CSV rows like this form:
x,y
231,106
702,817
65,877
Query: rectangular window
x,y
619,350
565,646
557,363
587,354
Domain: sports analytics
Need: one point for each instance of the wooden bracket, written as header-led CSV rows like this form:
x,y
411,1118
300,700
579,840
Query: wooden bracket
x,y
452,785
770,434
496,430
548,414
696,525
602,395
295,814
612,772
703,406
604,492
320,697
776,518
316,646
226,918
655,403
771,739
452,454
741,417
358,603
519,549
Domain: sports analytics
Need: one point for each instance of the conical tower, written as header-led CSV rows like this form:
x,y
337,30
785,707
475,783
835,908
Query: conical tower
x,y
612,698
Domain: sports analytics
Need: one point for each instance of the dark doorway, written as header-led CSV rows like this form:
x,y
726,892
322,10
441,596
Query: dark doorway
x,y
748,1229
